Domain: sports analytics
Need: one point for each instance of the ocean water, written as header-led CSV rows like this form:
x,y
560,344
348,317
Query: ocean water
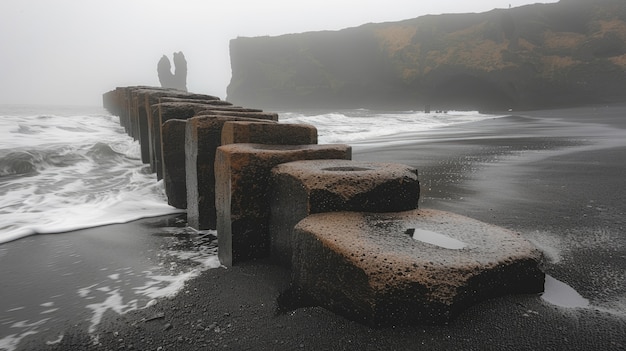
x,y
365,127
64,168
67,168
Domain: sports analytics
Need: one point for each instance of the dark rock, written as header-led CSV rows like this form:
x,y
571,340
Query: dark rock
x,y
530,57
176,80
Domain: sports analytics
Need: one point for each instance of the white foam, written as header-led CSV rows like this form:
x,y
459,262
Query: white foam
x,y
55,341
560,294
26,328
113,302
356,126
88,173
438,239
118,296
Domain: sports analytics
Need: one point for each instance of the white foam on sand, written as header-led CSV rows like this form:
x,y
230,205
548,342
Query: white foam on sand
x,y
23,329
117,290
438,239
162,282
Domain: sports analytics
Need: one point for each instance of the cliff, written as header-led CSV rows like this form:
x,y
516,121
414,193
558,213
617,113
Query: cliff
x,y
536,56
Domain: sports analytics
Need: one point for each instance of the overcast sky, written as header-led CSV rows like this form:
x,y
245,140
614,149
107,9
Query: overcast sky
x,y
72,51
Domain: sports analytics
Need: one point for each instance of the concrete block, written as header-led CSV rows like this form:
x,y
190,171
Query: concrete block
x,y
273,116
163,112
203,136
242,175
413,267
271,134
302,188
213,101
174,178
153,97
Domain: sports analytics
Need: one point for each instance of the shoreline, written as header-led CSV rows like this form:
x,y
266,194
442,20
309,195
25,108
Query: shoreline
x,y
532,174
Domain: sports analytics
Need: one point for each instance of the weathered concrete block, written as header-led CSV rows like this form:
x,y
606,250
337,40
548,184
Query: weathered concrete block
x,y
211,109
302,188
203,136
420,266
273,116
163,112
134,106
110,102
271,134
153,97
174,177
242,185
210,101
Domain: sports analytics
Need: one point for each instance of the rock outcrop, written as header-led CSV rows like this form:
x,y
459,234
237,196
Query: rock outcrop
x,y
537,56
176,80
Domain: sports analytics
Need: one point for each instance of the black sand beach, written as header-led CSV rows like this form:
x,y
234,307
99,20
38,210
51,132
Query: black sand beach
x,y
557,177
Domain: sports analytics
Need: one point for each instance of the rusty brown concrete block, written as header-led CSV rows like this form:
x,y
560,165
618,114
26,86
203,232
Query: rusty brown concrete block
x,y
420,266
272,134
203,136
302,188
242,185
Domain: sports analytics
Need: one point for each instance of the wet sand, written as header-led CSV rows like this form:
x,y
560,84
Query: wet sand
x,y
557,177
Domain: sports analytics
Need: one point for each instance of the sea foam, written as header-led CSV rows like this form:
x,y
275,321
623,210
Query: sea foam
x,y
66,172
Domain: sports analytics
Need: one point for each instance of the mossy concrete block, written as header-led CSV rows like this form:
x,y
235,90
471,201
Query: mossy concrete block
x,y
272,134
412,267
174,177
302,188
203,134
243,176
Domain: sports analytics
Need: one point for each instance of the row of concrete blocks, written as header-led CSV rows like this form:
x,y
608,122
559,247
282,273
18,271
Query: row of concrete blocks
x,y
351,231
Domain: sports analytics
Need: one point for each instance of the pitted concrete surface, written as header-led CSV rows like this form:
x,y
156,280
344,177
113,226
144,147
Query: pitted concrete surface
x,y
203,136
242,193
305,187
370,268
264,133
348,178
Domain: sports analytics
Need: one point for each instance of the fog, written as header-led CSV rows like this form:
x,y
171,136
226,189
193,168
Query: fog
x,y
69,52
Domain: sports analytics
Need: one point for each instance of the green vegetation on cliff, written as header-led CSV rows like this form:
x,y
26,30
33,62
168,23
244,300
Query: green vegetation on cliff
x,y
536,56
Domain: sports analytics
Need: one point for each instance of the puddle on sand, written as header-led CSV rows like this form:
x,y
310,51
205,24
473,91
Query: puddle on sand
x,y
437,239
560,294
